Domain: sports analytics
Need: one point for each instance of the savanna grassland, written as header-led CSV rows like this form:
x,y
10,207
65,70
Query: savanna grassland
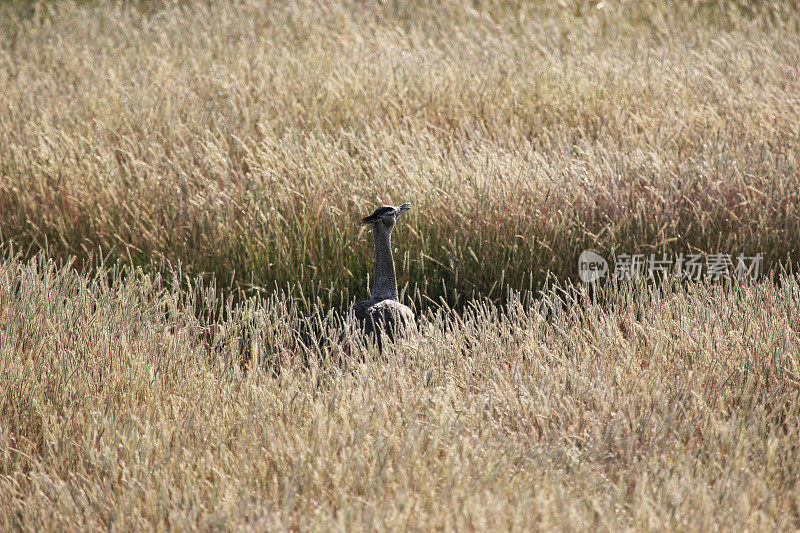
x,y
180,186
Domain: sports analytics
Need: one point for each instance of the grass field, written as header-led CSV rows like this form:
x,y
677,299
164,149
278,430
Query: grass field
x,y
180,190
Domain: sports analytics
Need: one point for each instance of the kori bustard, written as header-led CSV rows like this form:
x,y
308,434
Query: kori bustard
x,y
383,313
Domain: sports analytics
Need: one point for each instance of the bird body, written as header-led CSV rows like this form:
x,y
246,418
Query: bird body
x,y
388,317
383,314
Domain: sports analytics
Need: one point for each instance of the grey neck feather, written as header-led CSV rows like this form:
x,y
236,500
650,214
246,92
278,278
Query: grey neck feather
x,y
385,283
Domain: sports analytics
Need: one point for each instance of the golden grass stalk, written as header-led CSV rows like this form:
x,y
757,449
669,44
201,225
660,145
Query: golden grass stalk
x,y
246,140
654,407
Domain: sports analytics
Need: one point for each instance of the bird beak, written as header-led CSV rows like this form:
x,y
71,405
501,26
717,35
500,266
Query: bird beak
x,y
403,208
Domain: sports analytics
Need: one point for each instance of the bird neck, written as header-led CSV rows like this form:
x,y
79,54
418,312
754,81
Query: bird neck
x,y
384,285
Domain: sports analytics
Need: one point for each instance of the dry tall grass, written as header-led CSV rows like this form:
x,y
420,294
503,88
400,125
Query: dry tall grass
x,y
247,138
659,408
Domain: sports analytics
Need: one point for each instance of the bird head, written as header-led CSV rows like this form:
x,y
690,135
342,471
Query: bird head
x,y
385,216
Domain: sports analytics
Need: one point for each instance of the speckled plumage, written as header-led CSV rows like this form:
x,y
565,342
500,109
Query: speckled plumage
x,y
389,317
383,313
